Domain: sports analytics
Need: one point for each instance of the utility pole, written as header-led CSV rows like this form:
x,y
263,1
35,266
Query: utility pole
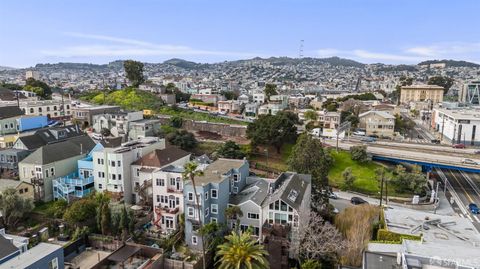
x,y
381,188
266,151
443,127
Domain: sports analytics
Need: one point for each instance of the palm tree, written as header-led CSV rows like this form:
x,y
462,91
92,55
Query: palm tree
x,y
189,175
240,251
234,213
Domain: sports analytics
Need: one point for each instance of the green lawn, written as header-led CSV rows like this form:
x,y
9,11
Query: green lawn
x,y
197,116
364,172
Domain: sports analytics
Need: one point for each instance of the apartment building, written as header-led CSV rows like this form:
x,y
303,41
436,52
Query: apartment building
x,y
52,161
378,123
221,178
273,209
259,97
84,115
8,125
147,168
112,166
421,93
229,106
51,108
117,122
144,128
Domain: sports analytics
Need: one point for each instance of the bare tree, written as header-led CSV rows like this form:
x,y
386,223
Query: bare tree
x,y
318,239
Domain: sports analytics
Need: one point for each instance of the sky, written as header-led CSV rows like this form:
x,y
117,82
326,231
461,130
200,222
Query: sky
x,y
369,31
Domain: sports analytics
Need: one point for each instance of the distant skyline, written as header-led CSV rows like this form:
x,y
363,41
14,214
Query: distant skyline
x,y
368,31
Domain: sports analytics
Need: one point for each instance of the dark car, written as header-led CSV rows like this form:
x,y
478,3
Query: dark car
x,y
358,201
458,146
473,208
374,136
435,141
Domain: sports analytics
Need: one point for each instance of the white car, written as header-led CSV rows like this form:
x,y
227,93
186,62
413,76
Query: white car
x,y
469,161
359,133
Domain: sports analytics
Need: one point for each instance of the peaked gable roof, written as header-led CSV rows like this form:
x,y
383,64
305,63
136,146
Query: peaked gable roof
x,y
10,111
49,135
7,248
161,157
60,151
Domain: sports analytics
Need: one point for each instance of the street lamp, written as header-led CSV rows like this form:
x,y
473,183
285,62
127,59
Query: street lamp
x,y
266,151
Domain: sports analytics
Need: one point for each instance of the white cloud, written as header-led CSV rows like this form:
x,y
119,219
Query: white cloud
x,y
452,50
123,47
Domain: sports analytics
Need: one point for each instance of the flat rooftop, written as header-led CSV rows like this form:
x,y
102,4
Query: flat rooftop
x,y
422,86
213,173
30,256
461,113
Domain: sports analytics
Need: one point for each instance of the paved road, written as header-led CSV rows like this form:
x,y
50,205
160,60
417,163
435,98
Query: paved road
x,y
467,188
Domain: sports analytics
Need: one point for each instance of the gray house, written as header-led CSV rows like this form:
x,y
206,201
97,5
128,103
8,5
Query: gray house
x,y
221,179
52,161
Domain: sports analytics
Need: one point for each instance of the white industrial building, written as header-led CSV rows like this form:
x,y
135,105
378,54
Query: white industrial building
x,y
458,125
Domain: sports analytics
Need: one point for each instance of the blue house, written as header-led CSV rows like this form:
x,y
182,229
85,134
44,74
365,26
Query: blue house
x,y
79,183
26,123
43,255
222,178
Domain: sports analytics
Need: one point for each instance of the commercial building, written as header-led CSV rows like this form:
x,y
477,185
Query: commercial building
x,y
378,123
458,125
51,108
421,93
470,93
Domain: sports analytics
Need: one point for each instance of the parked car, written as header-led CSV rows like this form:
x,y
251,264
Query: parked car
x,y
359,133
368,139
331,194
374,136
473,208
435,141
469,161
358,201
476,151
458,146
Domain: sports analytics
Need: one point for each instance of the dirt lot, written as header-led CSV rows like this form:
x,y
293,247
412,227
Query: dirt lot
x,y
89,258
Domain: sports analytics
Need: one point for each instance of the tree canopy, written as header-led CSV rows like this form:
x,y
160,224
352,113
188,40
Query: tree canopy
x,y
270,89
309,157
443,81
230,150
134,72
34,85
183,139
273,130
14,207
241,251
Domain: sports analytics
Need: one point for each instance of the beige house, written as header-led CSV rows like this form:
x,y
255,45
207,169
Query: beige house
x,y
24,189
421,93
378,123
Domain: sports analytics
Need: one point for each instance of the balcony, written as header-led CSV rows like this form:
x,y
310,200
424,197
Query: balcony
x,y
173,190
168,210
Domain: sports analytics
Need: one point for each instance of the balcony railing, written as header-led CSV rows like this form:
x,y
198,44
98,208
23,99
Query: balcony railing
x,y
281,230
173,190
169,210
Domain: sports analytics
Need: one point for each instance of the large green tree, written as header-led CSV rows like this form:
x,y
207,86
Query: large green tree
x,y
309,157
134,72
32,85
183,139
230,150
270,89
241,251
14,207
443,81
82,212
273,130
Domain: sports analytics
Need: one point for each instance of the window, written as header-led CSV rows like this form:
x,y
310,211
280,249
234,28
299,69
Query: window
x,y
236,178
100,161
100,186
190,196
214,194
253,216
206,196
113,176
194,240
115,186
191,212
53,264
235,189
52,171
160,182
172,181
214,208
207,211
113,163
213,220
119,163
177,201
158,198
119,177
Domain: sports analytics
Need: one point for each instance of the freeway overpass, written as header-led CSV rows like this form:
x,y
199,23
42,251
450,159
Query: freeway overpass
x,y
428,156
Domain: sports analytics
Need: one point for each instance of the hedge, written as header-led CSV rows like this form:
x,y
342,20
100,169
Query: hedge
x,y
385,235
